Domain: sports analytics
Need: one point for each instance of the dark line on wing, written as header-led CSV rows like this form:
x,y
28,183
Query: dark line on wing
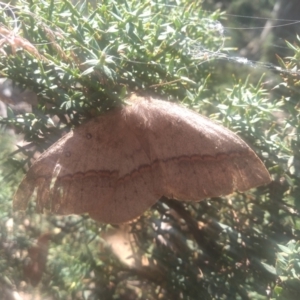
x,y
148,167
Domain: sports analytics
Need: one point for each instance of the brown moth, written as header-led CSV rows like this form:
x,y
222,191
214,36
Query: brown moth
x,y
117,165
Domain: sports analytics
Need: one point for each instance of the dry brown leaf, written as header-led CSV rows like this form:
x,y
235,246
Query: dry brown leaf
x,y
37,254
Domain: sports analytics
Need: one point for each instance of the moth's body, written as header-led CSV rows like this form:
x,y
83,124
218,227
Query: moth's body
x,y
119,164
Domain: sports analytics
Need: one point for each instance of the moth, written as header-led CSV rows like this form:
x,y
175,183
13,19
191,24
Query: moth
x,y
119,164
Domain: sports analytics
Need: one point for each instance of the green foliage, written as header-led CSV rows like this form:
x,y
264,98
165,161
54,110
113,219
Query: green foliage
x,y
288,269
82,60
9,264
